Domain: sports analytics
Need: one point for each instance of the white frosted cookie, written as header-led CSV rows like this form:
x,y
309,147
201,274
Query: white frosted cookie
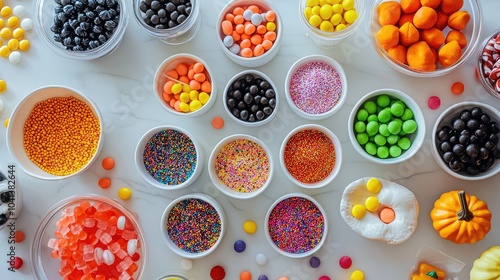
x,y
369,224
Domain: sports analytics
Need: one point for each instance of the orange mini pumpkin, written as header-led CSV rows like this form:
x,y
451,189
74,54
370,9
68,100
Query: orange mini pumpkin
x,y
461,218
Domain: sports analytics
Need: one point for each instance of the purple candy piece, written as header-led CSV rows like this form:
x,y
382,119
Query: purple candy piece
x,y
262,277
314,262
240,246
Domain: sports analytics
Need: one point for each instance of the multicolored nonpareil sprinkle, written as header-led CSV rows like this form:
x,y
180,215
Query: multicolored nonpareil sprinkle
x,y
170,157
242,165
315,88
194,225
309,156
296,225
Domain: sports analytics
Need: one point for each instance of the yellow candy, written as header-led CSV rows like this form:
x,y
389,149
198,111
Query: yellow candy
x,y
176,88
335,19
13,44
315,20
24,45
193,95
350,16
322,2
3,86
203,97
250,227
5,33
315,10
18,33
326,26
184,97
194,105
372,203
357,274
307,12
333,2
4,51
124,193
2,23
358,211
373,185
6,122
6,11
271,26
348,4
186,88
13,22
340,27
325,12
337,9
184,107
312,3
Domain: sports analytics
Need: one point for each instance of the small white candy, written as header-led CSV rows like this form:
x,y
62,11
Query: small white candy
x,y
228,41
131,246
263,15
98,255
108,257
19,11
186,264
261,259
234,48
15,57
1,108
120,223
247,14
256,19
27,24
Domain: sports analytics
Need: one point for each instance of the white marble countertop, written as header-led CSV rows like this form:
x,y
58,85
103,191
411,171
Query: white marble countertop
x,y
121,86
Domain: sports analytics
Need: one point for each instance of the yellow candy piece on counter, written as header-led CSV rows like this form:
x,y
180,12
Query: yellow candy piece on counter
x,y
5,33
6,11
358,211
13,44
4,51
203,97
372,203
18,33
6,122
24,45
250,227
373,185
3,86
357,274
13,22
124,193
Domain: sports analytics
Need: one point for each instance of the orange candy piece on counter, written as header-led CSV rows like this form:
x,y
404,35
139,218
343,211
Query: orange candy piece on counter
x,y
108,163
217,122
457,88
387,215
104,183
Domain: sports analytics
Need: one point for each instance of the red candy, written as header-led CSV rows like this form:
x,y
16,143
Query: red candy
x,y
434,102
19,236
345,262
18,262
324,278
217,273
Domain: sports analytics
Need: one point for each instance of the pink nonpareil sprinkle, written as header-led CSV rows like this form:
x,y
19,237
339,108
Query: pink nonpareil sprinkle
x,y
434,102
315,87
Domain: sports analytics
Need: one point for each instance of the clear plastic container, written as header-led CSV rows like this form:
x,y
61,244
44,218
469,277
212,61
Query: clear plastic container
x,y
488,85
177,35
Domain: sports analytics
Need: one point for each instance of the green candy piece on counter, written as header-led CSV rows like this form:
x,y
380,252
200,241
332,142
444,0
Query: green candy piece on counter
x,y
395,151
383,152
404,143
362,138
362,115
370,107
409,126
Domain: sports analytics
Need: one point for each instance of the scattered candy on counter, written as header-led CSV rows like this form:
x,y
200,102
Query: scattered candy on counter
x,y
18,263
170,157
242,165
124,193
239,246
188,87
283,278
193,225
250,227
315,87
263,277
434,102
104,183
261,259
314,262
89,243
108,163
357,275
161,14
186,264
457,88
6,122
217,273
217,122
251,98
384,126
309,156
12,30
85,25
324,278
19,236
296,225
249,31
491,66
3,86
245,275
331,17
345,262
61,122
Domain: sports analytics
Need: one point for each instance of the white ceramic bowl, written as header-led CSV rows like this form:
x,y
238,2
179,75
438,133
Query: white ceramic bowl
x,y
139,158
318,59
15,129
166,237
161,78
44,19
445,119
330,39
289,254
256,74
338,155
221,186
472,33
416,138
175,276
177,35
250,62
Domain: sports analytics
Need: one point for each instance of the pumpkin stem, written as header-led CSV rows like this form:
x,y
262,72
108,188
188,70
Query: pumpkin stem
x,y
432,274
464,214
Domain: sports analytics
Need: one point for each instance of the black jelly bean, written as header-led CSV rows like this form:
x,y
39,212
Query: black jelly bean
x,y
7,196
3,219
164,14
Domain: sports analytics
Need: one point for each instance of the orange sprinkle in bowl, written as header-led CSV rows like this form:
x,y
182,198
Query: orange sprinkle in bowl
x,y
54,133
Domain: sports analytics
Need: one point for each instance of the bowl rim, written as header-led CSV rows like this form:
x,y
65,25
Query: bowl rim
x,y
417,114
107,48
159,73
439,122
302,62
75,93
139,164
51,213
255,73
206,198
338,155
484,82
477,19
325,227
217,182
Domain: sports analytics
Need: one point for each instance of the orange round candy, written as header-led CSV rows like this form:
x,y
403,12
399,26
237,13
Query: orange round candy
x,y
245,275
104,183
457,88
218,122
19,236
108,163
387,215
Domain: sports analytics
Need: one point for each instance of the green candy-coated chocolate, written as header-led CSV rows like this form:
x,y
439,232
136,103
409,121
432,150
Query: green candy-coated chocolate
x,y
385,115
362,138
408,114
397,109
394,127
370,148
362,115
372,118
392,139
395,151
409,126
383,129
370,107
404,143
383,100
379,140
360,127
372,128
383,152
